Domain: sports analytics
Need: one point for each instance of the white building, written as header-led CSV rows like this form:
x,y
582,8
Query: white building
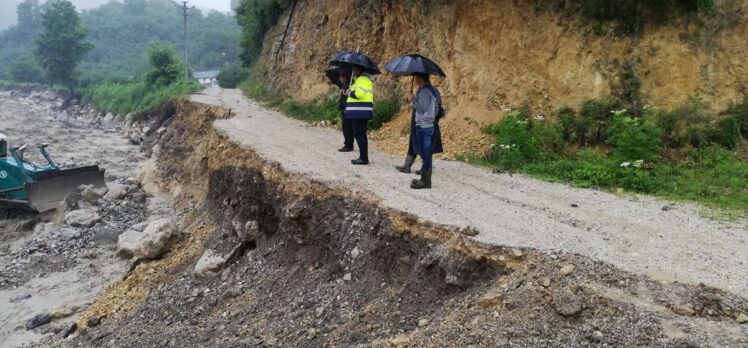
x,y
207,78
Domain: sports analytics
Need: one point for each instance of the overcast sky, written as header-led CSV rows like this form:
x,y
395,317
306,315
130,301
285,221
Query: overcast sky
x,y
8,8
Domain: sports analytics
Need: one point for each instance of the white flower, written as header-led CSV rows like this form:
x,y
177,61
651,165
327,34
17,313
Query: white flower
x,y
540,118
619,112
647,107
638,163
521,122
625,164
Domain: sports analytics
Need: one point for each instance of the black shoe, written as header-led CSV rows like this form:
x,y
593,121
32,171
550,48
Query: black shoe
x,y
418,172
359,162
345,149
405,168
424,182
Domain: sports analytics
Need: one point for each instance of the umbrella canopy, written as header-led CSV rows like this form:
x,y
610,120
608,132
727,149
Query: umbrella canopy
x,y
410,64
333,74
347,58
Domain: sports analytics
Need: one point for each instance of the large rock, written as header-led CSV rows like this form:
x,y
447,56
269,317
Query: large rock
x,y
209,265
247,231
116,192
92,195
82,218
153,242
567,302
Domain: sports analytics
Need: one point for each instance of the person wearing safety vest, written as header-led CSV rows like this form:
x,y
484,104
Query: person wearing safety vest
x,y
360,109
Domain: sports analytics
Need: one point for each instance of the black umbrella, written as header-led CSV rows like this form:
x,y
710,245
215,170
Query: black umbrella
x,y
333,74
410,64
347,58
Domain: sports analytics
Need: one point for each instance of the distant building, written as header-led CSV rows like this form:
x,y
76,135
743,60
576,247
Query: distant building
x,y
207,78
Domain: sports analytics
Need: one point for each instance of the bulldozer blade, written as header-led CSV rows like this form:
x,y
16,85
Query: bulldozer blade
x,y
50,189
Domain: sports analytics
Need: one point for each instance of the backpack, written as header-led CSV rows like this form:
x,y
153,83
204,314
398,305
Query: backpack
x,y
441,112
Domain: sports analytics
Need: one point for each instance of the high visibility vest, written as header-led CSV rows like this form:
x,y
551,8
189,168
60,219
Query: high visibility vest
x,y
360,102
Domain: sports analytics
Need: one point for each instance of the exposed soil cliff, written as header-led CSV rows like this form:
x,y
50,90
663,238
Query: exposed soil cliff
x,y
505,54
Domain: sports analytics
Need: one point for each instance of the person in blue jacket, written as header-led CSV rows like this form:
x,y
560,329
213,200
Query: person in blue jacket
x,y
426,107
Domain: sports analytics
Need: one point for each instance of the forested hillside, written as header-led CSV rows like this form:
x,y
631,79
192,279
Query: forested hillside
x,y
121,32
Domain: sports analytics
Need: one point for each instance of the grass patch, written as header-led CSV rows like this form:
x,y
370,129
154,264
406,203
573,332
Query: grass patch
x,y
682,155
136,97
320,110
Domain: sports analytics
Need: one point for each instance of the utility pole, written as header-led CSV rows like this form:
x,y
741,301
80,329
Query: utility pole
x,y
184,9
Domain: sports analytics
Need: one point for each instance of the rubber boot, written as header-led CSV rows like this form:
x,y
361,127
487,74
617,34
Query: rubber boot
x,y
405,168
424,182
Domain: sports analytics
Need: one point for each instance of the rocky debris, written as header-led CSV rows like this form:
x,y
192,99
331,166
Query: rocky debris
x,y
69,233
683,310
19,298
423,323
136,138
742,318
69,329
38,320
93,321
92,195
490,300
247,231
597,336
82,218
154,241
311,334
116,192
567,270
566,302
209,265
62,311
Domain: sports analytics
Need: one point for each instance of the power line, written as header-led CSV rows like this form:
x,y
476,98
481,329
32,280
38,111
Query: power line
x,y
184,9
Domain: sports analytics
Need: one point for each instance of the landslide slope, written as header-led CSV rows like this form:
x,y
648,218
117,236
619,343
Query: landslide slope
x,y
330,267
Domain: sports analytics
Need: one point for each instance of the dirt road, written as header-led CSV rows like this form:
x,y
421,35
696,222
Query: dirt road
x,y
634,233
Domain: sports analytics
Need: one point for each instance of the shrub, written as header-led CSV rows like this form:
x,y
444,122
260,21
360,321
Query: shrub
x,y
634,140
124,98
232,76
26,70
514,144
726,133
323,110
166,68
550,136
629,15
385,109
631,89
593,170
741,112
596,116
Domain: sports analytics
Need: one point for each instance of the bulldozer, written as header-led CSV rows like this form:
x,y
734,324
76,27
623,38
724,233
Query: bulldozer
x,y
29,186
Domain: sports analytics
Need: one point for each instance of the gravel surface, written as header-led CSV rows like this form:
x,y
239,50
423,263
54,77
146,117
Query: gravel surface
x,y
634,233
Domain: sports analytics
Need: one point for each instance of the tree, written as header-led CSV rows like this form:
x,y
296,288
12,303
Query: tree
x,y
26,70
232,76
165,66
61,45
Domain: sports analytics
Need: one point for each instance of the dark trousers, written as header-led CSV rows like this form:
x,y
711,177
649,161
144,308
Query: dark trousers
x,y
423,138
347,133
359,133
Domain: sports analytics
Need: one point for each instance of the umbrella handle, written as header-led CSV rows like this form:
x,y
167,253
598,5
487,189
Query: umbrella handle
x,y
412,81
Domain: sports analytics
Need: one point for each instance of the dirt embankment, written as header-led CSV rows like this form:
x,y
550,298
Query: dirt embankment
x,y
505,54
305,264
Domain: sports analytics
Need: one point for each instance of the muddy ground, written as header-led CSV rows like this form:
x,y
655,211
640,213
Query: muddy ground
x,y
47,266
303,263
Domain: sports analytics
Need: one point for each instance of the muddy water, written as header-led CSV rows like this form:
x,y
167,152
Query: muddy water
x,y
35,260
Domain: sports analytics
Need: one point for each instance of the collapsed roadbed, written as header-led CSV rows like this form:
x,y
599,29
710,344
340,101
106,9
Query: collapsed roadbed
x,y
269,258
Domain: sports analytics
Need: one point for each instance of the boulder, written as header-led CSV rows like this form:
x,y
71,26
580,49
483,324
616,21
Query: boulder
x,y
154,241
82,218
566,302
92,195
116,192
68,233
209,265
